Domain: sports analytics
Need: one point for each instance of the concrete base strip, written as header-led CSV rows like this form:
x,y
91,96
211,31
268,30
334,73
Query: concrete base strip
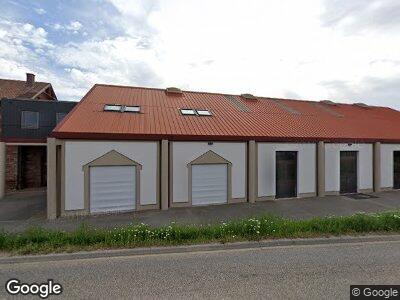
x,y
198,248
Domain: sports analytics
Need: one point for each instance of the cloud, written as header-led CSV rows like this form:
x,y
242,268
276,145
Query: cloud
x,y
134,20
371,90
313,49
117,61
17,34
73,26
40,11
361,15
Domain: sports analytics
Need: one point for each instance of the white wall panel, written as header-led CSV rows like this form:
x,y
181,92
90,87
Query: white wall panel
x,y
332,165
185,152
306,169
387,164
79,153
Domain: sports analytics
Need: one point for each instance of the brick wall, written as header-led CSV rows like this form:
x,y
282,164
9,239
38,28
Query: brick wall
x,y
33,164
33,167
11,167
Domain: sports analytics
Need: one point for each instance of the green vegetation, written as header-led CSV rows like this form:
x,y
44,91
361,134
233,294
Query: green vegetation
x,y
38,240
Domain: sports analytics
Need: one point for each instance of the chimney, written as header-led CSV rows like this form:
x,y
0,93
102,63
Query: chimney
x,y
30,79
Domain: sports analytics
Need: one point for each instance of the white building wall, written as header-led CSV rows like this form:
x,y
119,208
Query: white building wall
x,y
387,164
306,167
185,152
332,165
79,153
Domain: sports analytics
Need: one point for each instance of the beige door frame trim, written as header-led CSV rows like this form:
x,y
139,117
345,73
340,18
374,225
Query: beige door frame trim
x,y
110,159
210,158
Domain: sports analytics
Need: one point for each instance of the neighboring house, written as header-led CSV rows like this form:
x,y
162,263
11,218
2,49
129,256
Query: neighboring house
x,y
28,89
29,112
128,148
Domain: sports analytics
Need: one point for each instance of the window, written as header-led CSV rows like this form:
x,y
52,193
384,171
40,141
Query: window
x,y
30,120
112,107
203,112
134,109
188,112
60,116
122,108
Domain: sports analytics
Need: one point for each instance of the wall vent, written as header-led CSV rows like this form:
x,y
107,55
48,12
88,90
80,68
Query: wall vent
x,y
328,102
173,91
360,104
248,96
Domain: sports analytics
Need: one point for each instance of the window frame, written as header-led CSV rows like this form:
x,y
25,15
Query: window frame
x,y
106,106
208,114
132,111
23,117
188,114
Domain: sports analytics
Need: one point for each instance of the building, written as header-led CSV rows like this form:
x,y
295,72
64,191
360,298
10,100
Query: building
x,y
128,148
29,112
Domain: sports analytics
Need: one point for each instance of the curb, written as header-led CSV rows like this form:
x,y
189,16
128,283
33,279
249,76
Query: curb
x,y
198,248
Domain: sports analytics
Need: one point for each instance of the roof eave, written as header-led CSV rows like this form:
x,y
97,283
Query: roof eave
x,y
171,137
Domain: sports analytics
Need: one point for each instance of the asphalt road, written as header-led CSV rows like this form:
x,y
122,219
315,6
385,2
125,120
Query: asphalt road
x,y
283,272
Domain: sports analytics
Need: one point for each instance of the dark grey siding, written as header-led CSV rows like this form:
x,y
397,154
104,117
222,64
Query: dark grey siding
x,y
11,111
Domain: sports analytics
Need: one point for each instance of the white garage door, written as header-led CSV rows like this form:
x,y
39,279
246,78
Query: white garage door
x,y
209,184
112,188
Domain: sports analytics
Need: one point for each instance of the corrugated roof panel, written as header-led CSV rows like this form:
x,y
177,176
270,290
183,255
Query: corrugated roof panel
x,y
266,119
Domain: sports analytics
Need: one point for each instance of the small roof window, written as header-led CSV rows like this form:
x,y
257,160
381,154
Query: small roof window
x,y
122,108
204,112
112,107
134,109
188,112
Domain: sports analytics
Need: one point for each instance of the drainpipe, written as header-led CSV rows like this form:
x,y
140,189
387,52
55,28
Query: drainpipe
x,y
321,169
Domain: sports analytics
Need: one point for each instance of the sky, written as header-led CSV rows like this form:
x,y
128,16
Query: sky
x,y
345,51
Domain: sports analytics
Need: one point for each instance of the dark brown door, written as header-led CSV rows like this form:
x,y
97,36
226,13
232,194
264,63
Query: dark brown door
x,y
348,172
396,169
286,174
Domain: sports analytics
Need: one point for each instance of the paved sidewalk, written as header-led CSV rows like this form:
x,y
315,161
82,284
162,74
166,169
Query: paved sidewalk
x,y
292,208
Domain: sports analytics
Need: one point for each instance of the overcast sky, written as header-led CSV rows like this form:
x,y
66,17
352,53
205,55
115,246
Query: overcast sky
x,y
344,50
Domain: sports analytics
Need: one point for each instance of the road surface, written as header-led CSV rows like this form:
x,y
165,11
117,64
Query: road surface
x,y
283,272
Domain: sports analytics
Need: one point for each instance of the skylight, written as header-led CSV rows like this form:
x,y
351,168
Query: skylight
x,y
122,108
188,111
203,112
112,107
135,109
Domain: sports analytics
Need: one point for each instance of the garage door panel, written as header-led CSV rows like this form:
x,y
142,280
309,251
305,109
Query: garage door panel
x,y
209,184
112,188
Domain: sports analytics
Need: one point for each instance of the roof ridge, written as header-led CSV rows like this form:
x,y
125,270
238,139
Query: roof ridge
x,y
225,94
23,80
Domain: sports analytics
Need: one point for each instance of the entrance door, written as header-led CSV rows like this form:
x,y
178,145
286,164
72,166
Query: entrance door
x,y
112,188
348,172
396,169
286,174
209,184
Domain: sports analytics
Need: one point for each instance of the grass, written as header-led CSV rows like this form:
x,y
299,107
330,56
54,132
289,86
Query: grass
x,y
39,240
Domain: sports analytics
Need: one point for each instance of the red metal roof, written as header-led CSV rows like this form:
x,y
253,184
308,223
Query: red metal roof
x,y
267,119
